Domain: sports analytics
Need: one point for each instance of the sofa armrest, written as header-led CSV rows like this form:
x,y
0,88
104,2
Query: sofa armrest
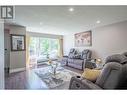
x,y
81,83
90,84
65,56
88,59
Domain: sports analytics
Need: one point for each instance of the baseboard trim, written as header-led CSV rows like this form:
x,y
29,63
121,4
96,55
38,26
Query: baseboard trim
x,y
17,70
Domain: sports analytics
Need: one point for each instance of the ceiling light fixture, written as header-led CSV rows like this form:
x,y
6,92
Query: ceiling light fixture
x,y
40,23
98,21
71,9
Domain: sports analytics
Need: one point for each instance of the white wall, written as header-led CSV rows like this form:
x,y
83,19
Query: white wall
x,y
17,58
106,40
1,56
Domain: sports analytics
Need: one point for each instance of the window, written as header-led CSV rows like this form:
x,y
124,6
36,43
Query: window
x,y
43,48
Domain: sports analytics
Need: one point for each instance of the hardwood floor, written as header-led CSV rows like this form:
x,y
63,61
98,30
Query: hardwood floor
x,y
28,80
16,81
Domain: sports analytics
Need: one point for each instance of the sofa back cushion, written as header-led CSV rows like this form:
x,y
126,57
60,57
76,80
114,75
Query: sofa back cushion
x,y
125,54
72,50
116,58
72,53
85,54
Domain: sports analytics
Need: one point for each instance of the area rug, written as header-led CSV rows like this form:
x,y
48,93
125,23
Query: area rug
x,y
61,78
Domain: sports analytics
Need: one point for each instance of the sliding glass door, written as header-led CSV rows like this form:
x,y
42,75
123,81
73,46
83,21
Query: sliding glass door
x,y
44,48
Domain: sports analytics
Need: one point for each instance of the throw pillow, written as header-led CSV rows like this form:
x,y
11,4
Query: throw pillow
x,y
91,74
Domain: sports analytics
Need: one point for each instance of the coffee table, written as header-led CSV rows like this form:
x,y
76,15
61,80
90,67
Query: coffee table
x,y
60,80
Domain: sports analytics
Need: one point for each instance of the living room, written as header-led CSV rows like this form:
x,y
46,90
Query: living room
x,y
46,47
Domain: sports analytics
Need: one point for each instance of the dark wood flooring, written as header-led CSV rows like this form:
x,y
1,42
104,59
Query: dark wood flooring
x,y
27,80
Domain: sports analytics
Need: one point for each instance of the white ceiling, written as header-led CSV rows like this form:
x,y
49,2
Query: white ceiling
x,y
58,20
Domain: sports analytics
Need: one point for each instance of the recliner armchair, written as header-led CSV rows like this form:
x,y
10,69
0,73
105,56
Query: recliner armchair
x,y
113,76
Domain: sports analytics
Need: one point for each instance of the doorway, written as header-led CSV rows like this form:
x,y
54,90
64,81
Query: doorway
x,y
6,51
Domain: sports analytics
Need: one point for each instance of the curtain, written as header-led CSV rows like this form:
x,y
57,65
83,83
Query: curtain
x,y
60,53
27,50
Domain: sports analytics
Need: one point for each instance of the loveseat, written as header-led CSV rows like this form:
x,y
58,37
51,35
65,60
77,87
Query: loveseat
x,y
78,60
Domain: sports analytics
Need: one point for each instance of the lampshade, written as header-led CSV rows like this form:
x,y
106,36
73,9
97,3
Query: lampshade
x,y
98,61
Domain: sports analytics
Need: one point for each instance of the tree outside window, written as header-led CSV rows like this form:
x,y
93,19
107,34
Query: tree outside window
x,y
43,47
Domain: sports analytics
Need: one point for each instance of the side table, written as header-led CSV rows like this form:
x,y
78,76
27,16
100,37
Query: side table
x,y
94,65
90,65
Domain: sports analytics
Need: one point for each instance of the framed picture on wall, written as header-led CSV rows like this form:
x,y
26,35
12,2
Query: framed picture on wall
x,y
83,39
17,42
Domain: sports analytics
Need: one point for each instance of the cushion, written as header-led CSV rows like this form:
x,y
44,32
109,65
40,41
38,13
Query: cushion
x,y
125,54
85,51
72,50
72,53
116,58
91,74
84,54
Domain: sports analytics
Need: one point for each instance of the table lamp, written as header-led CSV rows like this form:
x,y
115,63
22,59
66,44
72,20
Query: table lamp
x,y
98,61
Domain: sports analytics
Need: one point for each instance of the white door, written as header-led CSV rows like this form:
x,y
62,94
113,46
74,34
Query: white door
x,y
6,50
